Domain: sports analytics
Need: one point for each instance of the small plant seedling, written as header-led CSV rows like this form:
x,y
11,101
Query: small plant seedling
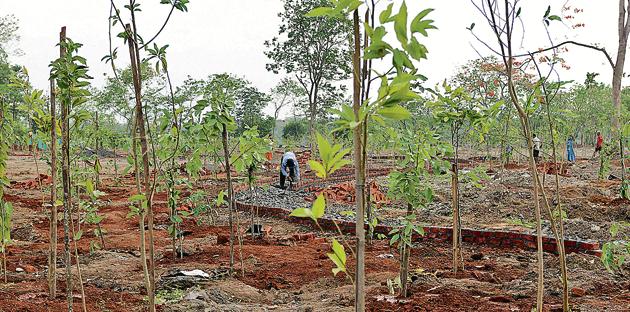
x,y
92,215
6,212
617,252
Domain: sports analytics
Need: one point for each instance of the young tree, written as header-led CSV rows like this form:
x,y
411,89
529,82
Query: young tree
x,y
136,43
70,73
6,208
393,91
313,49
501,17
457,109
409,183
220,94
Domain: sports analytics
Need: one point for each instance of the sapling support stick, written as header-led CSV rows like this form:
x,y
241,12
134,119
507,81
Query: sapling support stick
x,y
52,258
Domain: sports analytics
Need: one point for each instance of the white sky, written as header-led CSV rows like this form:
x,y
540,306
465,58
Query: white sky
x,y
227,36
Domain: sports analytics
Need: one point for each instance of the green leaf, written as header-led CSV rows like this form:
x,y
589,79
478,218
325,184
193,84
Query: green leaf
x,y
321,11
416,50
353,5
319,169
137,197
77,235
386,14
338,257
394,239
418,24
554,18
548,11
319,207
395,112
302,213
400,24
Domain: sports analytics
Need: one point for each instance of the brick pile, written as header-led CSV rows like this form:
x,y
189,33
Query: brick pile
x,y
346,193
33,183
552,168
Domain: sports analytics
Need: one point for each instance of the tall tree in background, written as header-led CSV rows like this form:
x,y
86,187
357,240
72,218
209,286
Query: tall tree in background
x,y
623,28
314,49
288,93
8,34
249,105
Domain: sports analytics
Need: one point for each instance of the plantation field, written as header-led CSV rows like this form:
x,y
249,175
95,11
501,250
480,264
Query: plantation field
x,y
284,270
314,155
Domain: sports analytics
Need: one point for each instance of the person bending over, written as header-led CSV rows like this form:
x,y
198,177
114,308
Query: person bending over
x,y
289,169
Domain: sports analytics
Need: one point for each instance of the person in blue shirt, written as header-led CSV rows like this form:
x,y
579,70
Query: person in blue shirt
x,y
289,169
570,152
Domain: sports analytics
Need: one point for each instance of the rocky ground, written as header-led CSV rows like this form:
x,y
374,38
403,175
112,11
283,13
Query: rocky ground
x,y
503,201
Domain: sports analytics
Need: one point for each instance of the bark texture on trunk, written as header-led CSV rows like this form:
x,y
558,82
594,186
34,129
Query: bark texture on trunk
x,y
359,170
52,256
140,124
228,173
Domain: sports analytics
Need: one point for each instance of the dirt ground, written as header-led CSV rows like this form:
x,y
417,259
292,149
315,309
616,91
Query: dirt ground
x,y
502,201
288,270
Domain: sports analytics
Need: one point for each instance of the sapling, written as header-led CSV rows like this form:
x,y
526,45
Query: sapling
x,y
456,108
91,213
220,98
409,184
331,160
392,91
70,73
616,252
133,40
6,209
252,149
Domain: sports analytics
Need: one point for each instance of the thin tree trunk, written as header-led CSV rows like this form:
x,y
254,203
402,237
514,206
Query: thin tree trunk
x,y
506,52
557,229
359,171
4,260
78,263
623,30
142,214
228,173
97,148
65,173
534,173
52,258
457,250
140,124
404,264
3,263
